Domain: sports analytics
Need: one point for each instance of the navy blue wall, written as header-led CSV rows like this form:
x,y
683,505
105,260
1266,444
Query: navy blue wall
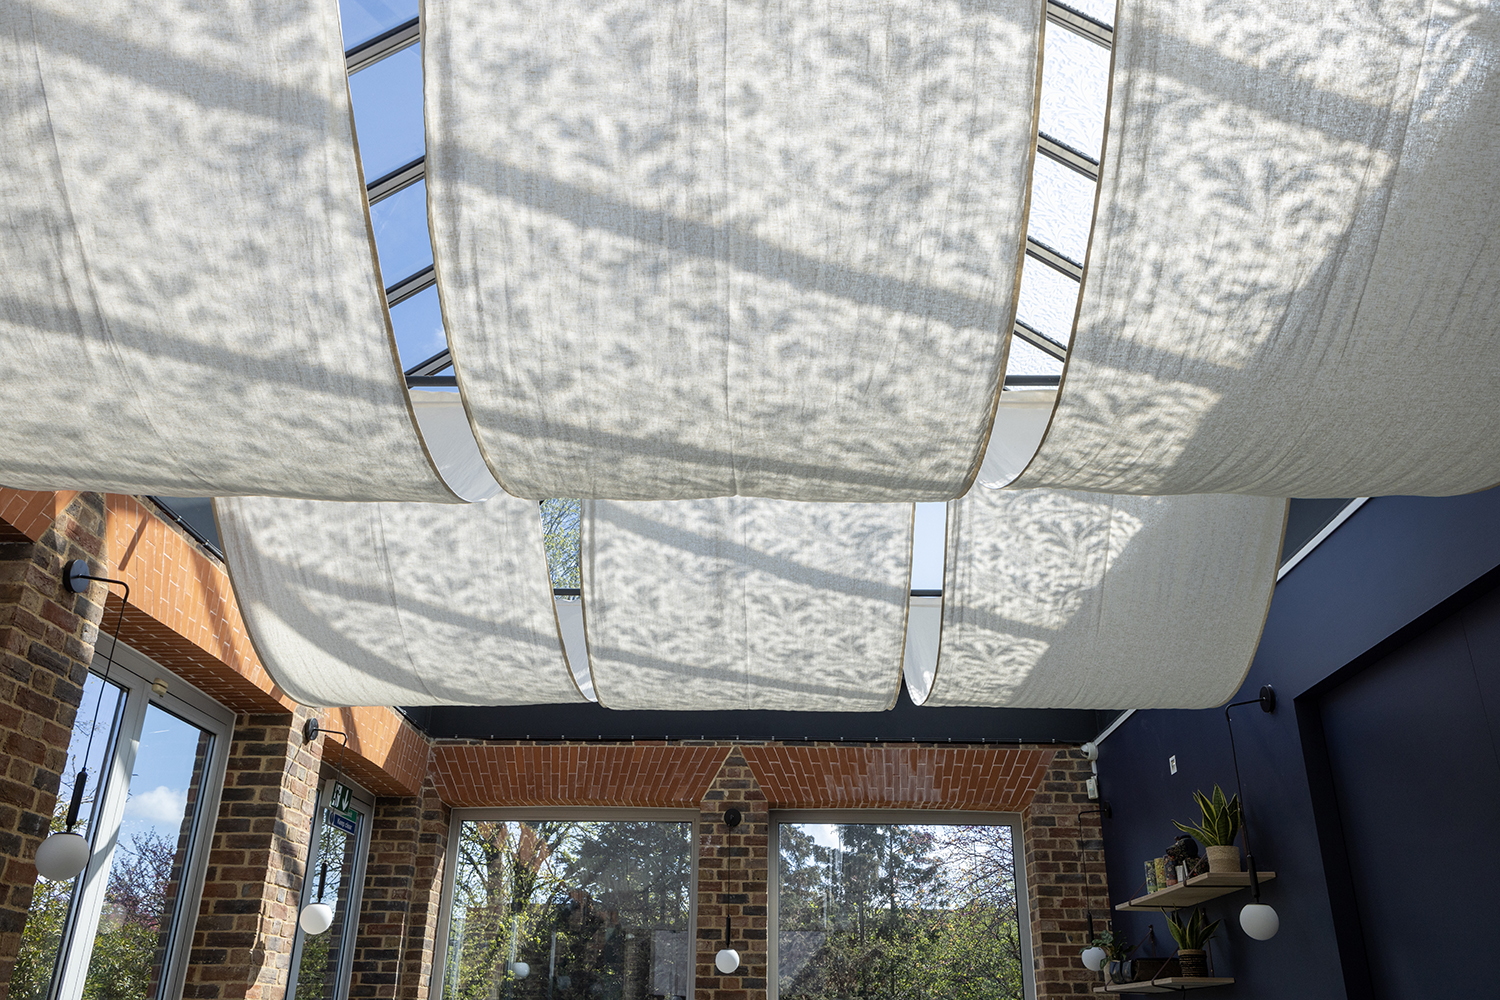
x,y
1397,568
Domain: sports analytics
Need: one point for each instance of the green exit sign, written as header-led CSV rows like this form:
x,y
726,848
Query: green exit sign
x,y
340,799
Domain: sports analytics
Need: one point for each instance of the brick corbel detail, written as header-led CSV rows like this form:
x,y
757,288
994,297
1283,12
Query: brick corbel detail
x,y
733,866
47,638
257,860
1064,876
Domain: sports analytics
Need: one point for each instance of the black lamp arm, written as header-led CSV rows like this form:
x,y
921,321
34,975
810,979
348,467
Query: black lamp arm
x,y
1267,703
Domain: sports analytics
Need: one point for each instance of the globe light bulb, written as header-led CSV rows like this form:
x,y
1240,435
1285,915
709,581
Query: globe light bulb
x,y
1093,958
727,960
61,856
520,969
1259,921
316,918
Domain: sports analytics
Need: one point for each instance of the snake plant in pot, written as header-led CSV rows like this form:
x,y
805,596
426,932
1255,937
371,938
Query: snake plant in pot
x,y
1221,824
1191,935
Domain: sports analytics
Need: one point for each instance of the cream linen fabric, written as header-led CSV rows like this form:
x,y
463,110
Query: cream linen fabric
x,y
746,604
695,249
1057,599
924,630
397,603
575,645
191,304
450,441
1294,282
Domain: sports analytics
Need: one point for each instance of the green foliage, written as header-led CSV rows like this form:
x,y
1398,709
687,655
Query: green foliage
x,y
122,965
41,939
1115,946
1192,934
1221,819
597,910
899,912
561,534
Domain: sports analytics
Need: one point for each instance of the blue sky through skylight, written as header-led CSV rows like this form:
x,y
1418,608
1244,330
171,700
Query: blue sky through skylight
x,y
362,20
401,237
388,112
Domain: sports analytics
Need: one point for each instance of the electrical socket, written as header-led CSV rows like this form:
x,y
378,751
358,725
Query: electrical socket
x,y
1172,763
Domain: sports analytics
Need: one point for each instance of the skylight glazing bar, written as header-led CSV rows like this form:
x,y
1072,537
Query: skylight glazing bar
x,y
409,286
1058,262
442,359
397,180
1040,341
369,53
1081,24
1067,156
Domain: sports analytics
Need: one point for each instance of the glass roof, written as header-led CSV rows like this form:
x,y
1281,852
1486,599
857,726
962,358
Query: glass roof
x,y
363,20
401,237
388,112
419,328
387,96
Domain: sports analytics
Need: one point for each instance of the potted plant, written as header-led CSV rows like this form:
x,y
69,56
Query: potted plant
x,y
1116,950
1221,824
1191,935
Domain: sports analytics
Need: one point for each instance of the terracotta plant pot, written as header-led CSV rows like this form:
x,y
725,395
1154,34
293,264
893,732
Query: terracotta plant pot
x,y
1223,859
1194,963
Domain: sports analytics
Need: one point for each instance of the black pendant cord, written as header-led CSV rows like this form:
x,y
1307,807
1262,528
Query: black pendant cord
x,y
71,574
1267,703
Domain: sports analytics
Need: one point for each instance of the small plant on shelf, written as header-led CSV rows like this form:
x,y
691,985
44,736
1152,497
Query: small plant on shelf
x,y
1220,825
1191,935
1115,947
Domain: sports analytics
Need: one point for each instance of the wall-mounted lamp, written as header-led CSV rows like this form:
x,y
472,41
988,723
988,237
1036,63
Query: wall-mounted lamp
x,y
316,917
63,854
728,960
1257,919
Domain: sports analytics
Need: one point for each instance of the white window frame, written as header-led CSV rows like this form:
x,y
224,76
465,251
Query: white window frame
x,y
897,817
362,802
135,673
458,817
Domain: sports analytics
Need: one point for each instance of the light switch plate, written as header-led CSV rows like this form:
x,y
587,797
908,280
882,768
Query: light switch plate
x,y
1172,763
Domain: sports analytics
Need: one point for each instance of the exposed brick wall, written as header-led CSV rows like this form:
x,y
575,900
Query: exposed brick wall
x,y
395,946
384,754
577,774
827,776
1065,876
1064,859
732,882
46,643
242,941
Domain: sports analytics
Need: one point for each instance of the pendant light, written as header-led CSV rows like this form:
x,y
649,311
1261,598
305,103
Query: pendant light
x,y
64,853
728,960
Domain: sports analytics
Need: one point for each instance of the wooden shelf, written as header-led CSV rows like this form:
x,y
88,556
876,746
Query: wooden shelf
x,y
1173,984
1198,889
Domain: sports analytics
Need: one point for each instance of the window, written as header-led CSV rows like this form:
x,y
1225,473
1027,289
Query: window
x,y
568,905
898,906
123,926
323,964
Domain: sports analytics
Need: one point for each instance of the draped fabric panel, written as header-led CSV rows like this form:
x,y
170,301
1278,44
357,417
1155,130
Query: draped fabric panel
x,y
445,431
1059,599
397,603
191,304
695,249
746,604
1294,277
